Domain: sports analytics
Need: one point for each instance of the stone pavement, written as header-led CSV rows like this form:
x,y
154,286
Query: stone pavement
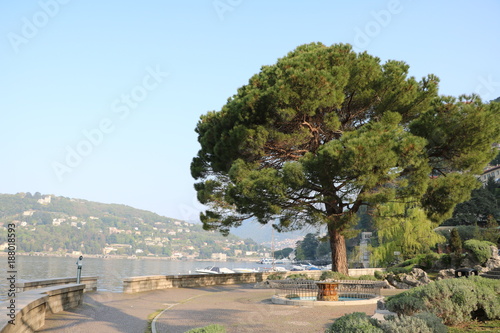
x,y
239,308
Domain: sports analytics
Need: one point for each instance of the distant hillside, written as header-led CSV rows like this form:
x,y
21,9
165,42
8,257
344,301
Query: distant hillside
x,y
48,223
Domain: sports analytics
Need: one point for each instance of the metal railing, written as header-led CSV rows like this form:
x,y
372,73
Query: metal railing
x,y
308,289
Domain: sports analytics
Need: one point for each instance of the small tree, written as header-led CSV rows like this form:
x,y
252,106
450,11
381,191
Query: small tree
x,y
403,227
308,247
456,247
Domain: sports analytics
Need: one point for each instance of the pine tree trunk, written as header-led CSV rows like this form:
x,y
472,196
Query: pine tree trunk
x,y
339,252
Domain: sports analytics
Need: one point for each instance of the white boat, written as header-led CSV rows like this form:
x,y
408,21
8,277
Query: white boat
x,y
298,268
245,270
265,261
279,269
214,270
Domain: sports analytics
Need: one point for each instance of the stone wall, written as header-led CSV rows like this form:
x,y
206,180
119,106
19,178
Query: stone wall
x,y
90,283
364,271
153,282
32,306
146,283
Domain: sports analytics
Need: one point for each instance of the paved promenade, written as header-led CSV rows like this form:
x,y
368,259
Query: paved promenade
x,y
239,308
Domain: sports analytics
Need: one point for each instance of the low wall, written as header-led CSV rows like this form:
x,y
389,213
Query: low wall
x,y
364,271
28,311
146,283
139,284
90,283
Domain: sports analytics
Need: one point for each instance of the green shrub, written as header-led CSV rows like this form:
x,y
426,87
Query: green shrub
x,y
400,270
433,322
354,323
326,275
275,276
446,259
301,276
405,303
407,324
428,260
367,277
379,275
408,262
454,300
208,329
480,249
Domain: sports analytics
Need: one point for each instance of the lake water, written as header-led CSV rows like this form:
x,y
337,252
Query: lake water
x,y
110,272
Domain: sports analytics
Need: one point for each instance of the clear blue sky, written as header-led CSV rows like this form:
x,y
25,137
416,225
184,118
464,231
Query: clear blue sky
x,y
123,83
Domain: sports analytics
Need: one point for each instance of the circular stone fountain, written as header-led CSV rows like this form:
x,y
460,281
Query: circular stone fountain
x,y
327,294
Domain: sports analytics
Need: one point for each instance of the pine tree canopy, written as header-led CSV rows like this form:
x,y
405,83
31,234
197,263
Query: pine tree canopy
x,y
325,130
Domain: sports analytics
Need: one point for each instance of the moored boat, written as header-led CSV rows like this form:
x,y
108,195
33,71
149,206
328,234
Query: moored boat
x,y
245,270
214,270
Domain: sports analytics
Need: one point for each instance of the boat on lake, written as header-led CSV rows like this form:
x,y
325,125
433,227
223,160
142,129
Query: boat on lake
x,y
245,270
214,270
270,261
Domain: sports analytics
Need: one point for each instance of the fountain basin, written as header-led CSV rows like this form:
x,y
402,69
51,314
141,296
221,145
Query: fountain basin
x,y
361,299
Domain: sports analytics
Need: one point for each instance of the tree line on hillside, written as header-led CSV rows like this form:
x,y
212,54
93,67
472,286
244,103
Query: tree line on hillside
x,y
65,225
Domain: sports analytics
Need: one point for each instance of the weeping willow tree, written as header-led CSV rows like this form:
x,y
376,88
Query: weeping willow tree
x,y
405,228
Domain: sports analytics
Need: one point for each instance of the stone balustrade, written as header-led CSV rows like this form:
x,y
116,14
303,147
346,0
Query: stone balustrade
x,y
90,283
27,310
153,282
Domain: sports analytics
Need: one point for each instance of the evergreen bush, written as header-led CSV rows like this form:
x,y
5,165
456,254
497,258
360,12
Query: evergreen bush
x,y
379,275
480,249
410,324
367,277
359,322
275,276
433,322
400,270
330,275
354,323
426,261
454,300
406,303
301,276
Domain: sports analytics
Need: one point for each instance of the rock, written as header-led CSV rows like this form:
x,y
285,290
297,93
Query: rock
x,y
417,277
401,285
386,285
264,285
468,262
446,274
494,252
381,304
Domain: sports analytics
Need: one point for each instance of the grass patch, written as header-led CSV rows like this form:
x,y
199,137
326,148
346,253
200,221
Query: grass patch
x,y
483,327
151,316
214,328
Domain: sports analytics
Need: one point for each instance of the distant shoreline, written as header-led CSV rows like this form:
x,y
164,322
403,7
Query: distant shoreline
x,y
100,256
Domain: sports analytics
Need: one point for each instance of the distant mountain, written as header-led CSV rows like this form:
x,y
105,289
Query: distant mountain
x,y
54,224
264,234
